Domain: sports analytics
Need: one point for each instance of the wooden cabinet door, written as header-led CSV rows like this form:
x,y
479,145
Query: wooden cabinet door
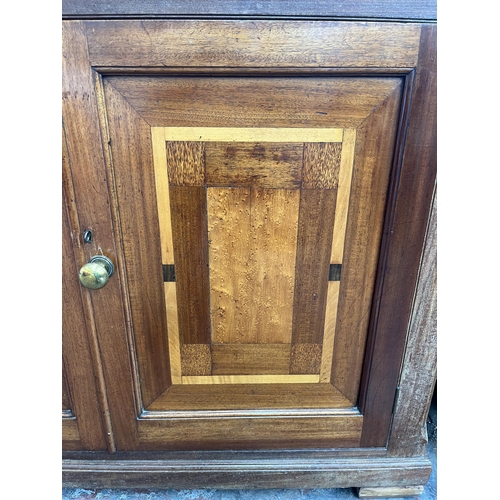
x,y
245,179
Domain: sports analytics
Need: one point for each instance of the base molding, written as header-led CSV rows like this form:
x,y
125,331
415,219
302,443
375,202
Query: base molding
x,y
391,492
244,470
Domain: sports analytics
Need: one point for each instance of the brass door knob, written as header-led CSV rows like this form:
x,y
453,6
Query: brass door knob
x,y
96,273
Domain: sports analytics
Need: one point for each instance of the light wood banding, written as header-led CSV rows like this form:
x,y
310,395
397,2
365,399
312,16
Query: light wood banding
x,y
173,332
251,379
162,194
253,134
343,195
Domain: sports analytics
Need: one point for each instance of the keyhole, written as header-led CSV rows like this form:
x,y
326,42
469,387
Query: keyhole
x,y
87,236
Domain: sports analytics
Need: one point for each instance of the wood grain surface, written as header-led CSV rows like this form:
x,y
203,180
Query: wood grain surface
x,y
189,230
338,468
134,175
252,251
391,492
254,164
403,245
370,181
251,433
250,379
196,359
332,301
369,105
321,165
104,311
245,396
250,359
254,102
314,240
419,372
185,163
256,134
79,380
249,44
343,195
162,194
174,349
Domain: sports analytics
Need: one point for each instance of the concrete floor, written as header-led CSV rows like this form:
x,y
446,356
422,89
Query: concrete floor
x,y
430,490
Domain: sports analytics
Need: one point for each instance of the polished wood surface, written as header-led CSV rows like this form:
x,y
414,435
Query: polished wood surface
x,y
247,433
82,424
370,179
405,438
250,44
252,102
404,242
252,288
254,164
360,78
132,161
245,224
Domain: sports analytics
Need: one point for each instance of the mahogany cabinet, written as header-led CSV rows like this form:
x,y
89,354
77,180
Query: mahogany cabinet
x,y
263,185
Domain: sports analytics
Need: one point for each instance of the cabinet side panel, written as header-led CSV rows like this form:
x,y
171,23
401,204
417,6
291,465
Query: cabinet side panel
x,y
408,435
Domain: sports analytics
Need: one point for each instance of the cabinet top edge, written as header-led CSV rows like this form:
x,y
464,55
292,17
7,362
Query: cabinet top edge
x,y
379,10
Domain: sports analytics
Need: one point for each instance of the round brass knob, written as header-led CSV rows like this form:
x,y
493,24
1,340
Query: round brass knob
x,y
96,273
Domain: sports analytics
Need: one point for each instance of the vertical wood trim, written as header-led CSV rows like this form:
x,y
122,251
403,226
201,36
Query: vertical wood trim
x,y
329,335
343,195
404,240
167,247
189,232
132,171
314,239
120,264
173,332
337,254
418,375
104,308
162,194
375,140
86,388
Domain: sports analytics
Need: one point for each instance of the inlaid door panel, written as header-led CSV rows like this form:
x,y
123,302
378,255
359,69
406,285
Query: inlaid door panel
x,y
254,312
249,211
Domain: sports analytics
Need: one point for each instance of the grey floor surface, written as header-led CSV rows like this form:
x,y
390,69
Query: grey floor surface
x,y
430,490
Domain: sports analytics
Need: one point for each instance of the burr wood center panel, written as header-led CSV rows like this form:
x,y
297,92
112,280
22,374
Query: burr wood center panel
x,y
252,224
